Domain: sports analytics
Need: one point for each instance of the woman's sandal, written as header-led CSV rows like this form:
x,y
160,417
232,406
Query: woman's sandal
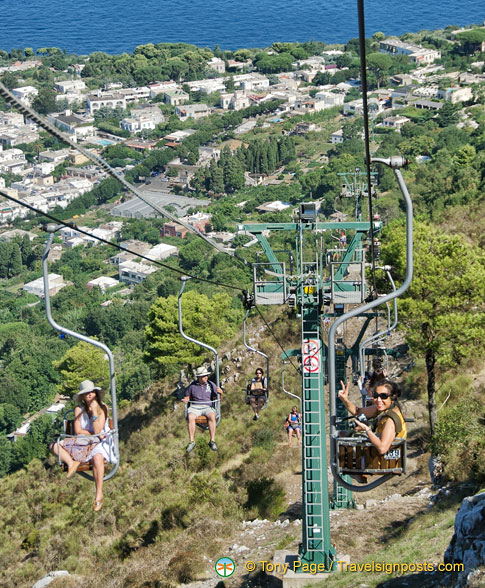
x,y
72,469
97,505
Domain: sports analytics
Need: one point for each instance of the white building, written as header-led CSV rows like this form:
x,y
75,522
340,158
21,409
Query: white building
x,y
337,137
76,125
161,251
395,122
416,53
37,286
27,94
194,111
12,161
55,157
70,86
100,99
131,272
455,95
207,86
103,282
330,99
161,87
143,119
236,101
251,82
217,65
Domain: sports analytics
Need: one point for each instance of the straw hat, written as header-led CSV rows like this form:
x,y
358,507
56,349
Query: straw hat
x,y
85,387
201,371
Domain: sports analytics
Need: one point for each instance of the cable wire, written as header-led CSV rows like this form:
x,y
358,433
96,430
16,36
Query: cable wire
x,y
363,68
275,338
26,111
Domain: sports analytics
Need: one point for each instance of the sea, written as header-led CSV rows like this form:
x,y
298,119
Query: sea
x,y
117,26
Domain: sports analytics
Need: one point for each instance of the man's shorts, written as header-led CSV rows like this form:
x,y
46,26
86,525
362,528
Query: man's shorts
x,y
202,410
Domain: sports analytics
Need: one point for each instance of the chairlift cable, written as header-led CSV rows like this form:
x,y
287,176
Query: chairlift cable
x,y
26,111
363,75
110,243
275,338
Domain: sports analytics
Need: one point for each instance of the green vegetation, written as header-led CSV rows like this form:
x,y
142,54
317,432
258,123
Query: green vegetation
x,y
162,505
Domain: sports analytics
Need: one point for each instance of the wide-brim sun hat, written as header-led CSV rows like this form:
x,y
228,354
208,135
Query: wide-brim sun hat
x,y
202,371
85,387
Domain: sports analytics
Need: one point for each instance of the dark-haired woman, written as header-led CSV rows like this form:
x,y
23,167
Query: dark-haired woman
x,y
90,419
388,421
257,392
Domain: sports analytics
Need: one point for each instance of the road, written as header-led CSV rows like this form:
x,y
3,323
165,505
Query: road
x,y
161,195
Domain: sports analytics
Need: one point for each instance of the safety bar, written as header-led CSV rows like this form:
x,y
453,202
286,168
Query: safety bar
x,y
184,281
395,163
51,229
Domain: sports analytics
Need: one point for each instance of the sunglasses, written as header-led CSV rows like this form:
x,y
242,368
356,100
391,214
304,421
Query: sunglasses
x,y
383,396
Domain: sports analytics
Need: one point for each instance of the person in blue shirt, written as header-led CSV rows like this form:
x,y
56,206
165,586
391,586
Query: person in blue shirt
x,y
202,396
293,421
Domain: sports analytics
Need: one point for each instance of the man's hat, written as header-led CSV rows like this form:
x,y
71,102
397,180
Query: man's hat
x,y
201,371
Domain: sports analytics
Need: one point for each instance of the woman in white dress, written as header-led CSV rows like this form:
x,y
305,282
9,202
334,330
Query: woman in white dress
x,y
90,418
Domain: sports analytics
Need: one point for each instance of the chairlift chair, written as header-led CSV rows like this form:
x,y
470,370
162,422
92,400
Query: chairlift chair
x,y
201,421
348,454
68,428
247,391
69,423
358,456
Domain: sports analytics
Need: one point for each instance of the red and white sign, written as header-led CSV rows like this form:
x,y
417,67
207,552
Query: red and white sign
x,y
311,356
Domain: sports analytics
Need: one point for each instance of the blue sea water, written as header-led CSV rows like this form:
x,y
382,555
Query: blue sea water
x,y
116,26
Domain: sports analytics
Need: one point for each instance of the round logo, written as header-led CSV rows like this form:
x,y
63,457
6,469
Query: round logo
x,y
225,567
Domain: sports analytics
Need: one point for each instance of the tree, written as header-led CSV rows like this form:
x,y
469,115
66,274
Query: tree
x,y
379,64
45,102
205,319
82,362
5,455
448,114
9,80
443,310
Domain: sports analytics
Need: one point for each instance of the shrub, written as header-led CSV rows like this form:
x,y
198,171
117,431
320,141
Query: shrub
x,y
266,497
184,566
459,440
264,438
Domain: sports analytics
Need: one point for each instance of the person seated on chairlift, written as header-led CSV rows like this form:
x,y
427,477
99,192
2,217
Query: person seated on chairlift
x,y
202,395
90,418
371,380
293,425
389,422
257,389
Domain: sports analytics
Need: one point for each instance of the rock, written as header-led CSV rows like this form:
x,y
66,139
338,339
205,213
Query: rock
x,y
242,548
370,502
467,545
50,578
360,507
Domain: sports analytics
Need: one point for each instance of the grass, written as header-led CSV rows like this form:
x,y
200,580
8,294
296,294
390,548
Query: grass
x,y
161,504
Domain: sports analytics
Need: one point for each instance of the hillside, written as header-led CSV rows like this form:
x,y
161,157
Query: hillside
x,y
168,516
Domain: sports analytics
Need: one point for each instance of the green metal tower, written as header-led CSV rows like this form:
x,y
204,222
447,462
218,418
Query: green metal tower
x,y
324,277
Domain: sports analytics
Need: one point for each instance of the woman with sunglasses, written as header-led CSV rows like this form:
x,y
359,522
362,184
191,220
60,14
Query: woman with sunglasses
x,y
388,419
